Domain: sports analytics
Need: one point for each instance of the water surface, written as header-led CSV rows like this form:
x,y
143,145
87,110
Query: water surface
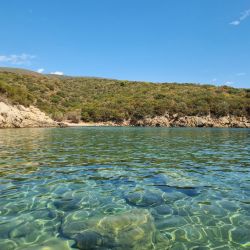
x,y
124,188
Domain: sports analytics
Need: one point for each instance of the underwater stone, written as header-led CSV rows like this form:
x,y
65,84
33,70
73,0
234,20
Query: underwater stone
x,y
178,246
132,229
174,221
161,241
240,220
201,248
28,231
152,199
50,244
67,204
75,223
134,198
163,210
7,244
179,235
214,210
208,220
240,235
15,207
7,226
214,233
195,234
228,205
89,240
144,199
159,179
173,196
31,231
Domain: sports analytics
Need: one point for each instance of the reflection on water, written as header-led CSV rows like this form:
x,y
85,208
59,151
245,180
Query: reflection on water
x,y
124,188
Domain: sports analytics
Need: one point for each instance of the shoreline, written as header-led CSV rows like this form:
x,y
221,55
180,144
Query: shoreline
x,y
170,121
18,116
126,124
86,125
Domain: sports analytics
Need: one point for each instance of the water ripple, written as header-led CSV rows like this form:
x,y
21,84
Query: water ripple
x,y
124,188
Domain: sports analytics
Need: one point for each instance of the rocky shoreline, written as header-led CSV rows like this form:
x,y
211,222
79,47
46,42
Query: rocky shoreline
x,y
195,121
172,121
18,116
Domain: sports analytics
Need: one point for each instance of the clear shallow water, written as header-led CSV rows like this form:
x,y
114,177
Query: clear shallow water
x,y
124,188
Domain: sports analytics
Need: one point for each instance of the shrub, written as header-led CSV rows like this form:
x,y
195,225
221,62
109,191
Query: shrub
x,y
73,116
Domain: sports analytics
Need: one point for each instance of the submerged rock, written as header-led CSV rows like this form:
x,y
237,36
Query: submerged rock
x,y
172,222
174,196
240,235
50,244
90,239
7,244
67,204
163,210
129,230
144,198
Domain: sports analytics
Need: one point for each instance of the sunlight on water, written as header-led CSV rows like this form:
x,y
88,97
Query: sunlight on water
x,y
124,188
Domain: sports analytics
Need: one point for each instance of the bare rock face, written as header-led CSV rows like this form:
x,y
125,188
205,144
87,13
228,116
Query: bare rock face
x,y
158,121
195,121
18,116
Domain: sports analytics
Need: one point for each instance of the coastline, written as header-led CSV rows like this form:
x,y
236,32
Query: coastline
x,y
163,121
18,116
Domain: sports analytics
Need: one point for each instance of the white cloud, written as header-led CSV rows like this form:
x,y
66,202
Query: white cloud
x,y
243,16
235,23
214,80
17,59
57,73
40,71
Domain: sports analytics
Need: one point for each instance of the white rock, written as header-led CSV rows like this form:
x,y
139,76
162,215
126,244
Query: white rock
x,y
18,116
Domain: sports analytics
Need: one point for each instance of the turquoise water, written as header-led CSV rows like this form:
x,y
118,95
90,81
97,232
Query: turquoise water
x,y
124,188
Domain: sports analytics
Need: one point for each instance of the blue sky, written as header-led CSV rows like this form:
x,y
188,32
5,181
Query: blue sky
x,y
201,41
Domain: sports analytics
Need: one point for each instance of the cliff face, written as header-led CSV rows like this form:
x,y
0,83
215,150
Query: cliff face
x,y
18,116
195,121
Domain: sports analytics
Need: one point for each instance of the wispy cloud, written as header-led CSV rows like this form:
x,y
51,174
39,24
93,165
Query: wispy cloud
x,y
57,73
229,83
17,59
235,23
243,16
40,71
241,74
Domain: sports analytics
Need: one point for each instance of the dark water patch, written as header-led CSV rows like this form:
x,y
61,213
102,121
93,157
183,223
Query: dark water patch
x,y
190,191
67,204
92,240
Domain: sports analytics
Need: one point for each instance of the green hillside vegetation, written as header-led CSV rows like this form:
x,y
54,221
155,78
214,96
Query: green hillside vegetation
x,y
97,99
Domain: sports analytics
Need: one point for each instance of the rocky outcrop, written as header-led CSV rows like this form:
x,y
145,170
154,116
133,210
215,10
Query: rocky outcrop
x,y
18,116
195,121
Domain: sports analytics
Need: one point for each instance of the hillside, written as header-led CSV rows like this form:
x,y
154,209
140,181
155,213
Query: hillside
x,y
97,99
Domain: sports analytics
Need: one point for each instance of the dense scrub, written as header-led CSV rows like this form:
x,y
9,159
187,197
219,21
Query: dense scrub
x,y
97,99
